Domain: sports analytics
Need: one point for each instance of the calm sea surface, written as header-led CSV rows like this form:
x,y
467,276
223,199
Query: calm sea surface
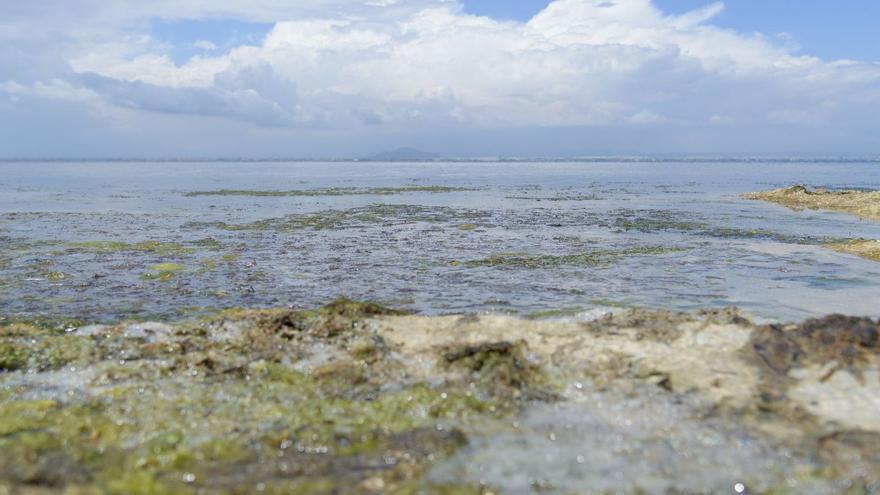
x,y
116,240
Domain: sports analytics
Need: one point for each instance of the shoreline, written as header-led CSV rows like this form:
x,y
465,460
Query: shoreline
x,y
231,402
864,205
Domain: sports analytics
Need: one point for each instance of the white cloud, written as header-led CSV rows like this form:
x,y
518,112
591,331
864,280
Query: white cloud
x,y
205,45
55,89
404,64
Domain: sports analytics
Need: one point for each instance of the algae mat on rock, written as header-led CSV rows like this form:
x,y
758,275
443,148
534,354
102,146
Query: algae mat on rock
x,y
868,249
863,204
356,398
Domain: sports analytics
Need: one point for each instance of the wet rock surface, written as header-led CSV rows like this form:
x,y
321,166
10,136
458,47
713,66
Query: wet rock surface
x,y
358,398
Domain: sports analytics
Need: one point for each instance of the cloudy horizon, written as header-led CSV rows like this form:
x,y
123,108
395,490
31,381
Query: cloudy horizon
x,y
339,78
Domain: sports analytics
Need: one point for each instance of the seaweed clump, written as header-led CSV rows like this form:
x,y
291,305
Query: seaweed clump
x,y
847,340
815,375
503,364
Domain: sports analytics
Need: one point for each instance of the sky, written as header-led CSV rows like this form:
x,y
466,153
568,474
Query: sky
x,y
833,30
345,78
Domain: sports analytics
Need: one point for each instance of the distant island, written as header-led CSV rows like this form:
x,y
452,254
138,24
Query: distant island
x,y
404,155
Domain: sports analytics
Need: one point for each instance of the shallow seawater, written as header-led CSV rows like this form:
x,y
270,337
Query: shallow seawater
x,y
604,440
119,240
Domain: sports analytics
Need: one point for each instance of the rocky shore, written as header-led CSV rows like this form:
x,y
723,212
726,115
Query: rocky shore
x,y
357,398
862,204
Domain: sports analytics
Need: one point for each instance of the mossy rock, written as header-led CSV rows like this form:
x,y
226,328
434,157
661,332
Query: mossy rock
x,y
501,367
348,308
293,401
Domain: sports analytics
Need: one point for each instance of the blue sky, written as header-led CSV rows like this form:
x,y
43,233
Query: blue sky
x,y
825,28
847,29
186,38
346,78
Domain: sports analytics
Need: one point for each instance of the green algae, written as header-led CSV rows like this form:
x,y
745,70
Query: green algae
x,y
545,314
12,357
357,309
654,221
577,197
162,272
608,303
43,353
670,221
57,276
503,363
158,248
208,265
221,406
336,219
99,246
29,326
167,267
589,259
337,191
209,243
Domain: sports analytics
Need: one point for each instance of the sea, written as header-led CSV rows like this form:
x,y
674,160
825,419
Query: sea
x,y
107,241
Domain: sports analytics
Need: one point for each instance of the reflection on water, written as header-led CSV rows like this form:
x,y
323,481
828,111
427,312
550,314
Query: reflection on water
x,y
97,240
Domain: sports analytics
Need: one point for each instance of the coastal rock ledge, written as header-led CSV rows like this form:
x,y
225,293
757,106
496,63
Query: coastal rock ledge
x,y
358,398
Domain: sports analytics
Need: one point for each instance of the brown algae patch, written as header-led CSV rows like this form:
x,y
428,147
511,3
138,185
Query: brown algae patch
x,y
868,249
863,204
357,398
336,191
825,375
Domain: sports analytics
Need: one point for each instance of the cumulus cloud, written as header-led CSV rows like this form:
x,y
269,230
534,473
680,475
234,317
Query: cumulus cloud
x,y
242,104
404,64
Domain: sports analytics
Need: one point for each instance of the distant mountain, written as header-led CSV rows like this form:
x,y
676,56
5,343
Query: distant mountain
x,y
404,155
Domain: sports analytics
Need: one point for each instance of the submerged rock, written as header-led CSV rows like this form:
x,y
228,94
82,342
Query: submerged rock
x,y
357,398
868,249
